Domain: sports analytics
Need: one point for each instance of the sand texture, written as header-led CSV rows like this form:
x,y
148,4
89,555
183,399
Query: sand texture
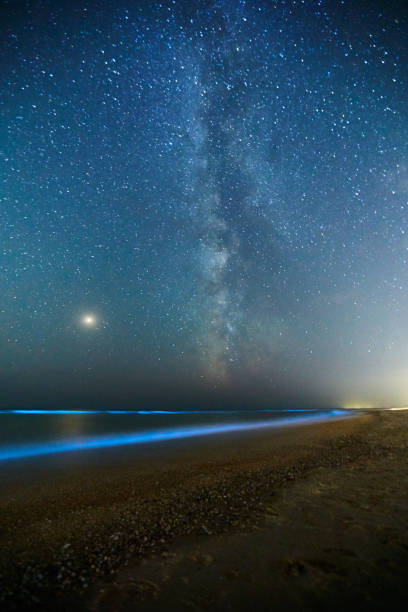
x,y
309,519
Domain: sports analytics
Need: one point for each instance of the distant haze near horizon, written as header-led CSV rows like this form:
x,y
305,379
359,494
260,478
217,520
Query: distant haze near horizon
x,y
204,204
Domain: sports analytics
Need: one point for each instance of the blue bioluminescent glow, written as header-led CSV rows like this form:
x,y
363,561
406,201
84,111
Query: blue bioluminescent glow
x,y
159,435
149,412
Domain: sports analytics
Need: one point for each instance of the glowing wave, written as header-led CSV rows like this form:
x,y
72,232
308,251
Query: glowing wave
x,y
153,411
158,435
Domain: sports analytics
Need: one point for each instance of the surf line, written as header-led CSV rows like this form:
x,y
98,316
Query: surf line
x,y
158,435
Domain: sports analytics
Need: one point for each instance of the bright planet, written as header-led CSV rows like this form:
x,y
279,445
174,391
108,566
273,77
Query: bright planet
x,y
88,320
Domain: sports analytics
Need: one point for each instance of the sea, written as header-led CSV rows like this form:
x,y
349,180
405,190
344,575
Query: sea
x,y
26,435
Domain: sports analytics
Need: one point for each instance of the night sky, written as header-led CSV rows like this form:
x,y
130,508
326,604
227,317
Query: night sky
x,y
203,204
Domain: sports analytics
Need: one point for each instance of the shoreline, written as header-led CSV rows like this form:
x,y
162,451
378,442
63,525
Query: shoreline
x,y
66,539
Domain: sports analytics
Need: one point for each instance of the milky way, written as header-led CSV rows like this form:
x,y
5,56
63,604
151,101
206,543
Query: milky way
x,y
222,185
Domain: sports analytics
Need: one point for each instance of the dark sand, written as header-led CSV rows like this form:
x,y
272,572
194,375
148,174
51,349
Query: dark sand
x,y
312,518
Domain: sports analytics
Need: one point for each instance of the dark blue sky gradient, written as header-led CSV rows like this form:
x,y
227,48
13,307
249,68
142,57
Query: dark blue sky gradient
x,y
222,185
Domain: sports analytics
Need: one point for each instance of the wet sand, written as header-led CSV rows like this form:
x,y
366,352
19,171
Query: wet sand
x,y
312,518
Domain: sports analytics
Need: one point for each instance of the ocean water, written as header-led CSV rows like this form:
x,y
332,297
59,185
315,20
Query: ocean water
x,y
29,434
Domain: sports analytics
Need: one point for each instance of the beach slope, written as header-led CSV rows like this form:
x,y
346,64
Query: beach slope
x,y
309,518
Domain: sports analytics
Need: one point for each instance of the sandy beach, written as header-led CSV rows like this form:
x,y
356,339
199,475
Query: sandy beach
x,y
311,518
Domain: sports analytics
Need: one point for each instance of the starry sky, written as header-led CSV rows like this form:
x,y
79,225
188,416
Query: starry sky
x,y
203,204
